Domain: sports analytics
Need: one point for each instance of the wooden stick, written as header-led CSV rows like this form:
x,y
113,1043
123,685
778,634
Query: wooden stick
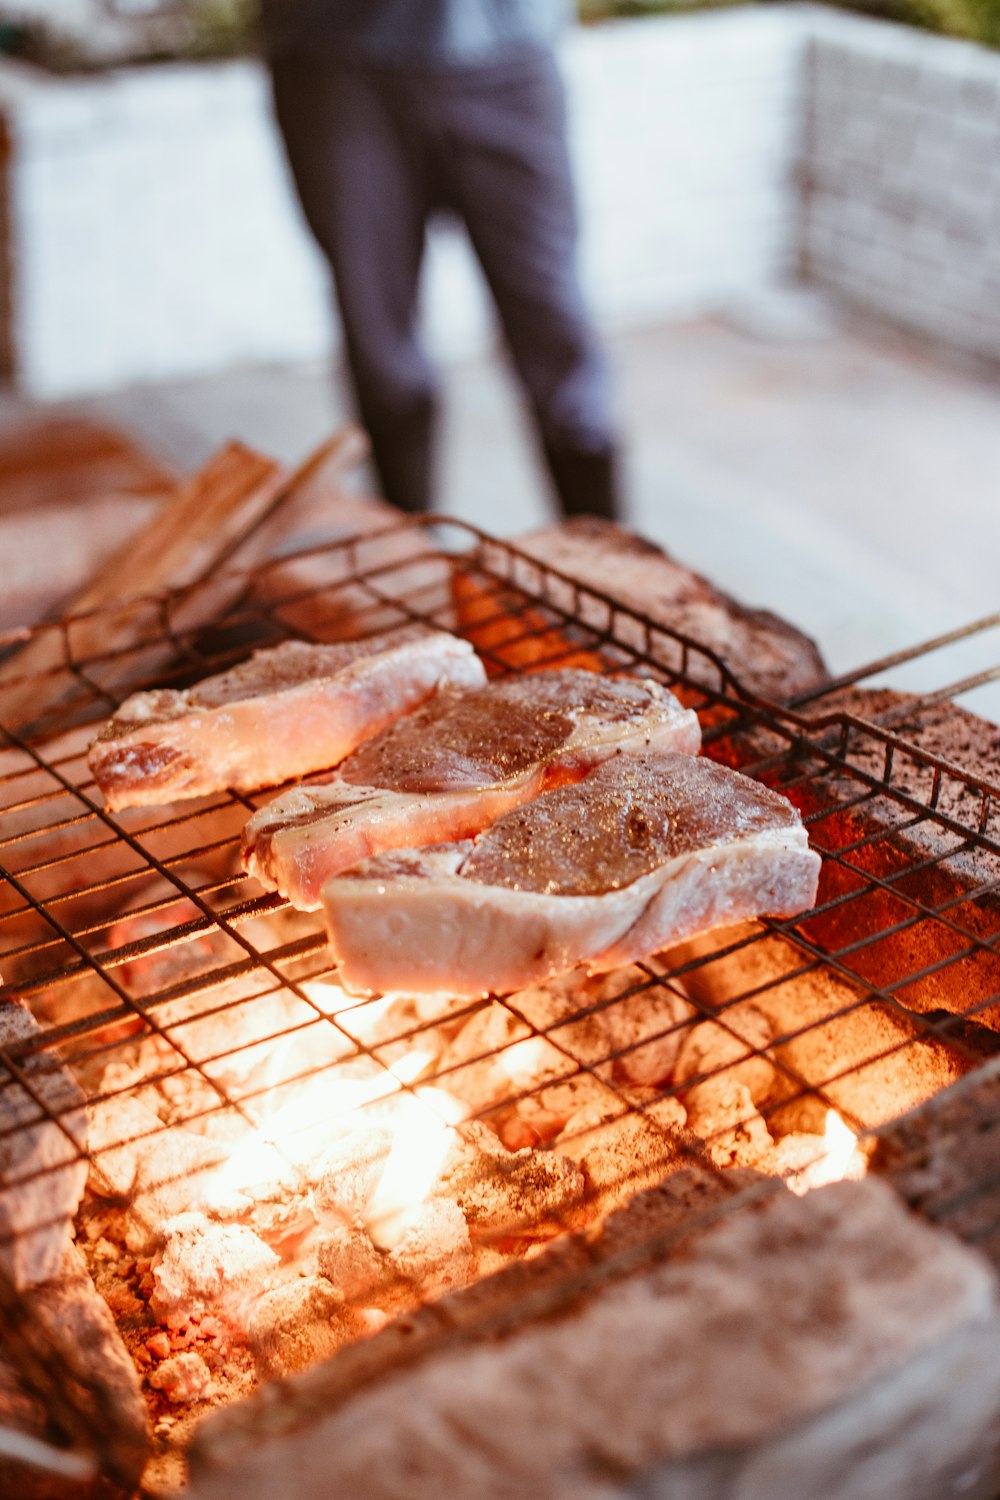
x,y
231,506
170,551
344,450
187,533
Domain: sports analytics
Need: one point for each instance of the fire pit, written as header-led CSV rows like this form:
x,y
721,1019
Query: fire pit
x,y
263,1172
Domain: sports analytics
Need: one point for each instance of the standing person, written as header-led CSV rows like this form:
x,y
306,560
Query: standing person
x,y
394,109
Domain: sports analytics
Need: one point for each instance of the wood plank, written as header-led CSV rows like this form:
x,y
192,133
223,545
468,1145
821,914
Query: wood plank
x,y
176,547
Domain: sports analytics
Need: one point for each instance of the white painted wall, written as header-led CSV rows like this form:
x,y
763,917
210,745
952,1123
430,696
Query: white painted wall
x,y
154,233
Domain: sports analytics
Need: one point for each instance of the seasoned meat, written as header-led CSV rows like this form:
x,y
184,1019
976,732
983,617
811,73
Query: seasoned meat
x,y
289,711
454,766
647,851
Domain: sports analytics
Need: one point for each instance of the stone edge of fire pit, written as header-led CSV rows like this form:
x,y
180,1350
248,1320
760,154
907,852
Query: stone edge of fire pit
x,y
954,875
943,729
832,1335
939,1156
100,1381
766,654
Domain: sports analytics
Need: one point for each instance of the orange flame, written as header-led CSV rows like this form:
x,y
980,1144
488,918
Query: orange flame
x,y
839,1158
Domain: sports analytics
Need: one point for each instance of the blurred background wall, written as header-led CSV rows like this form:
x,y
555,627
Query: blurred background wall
x,y
149,230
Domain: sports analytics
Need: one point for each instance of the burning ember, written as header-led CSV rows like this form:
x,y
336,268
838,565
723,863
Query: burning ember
x,y
832,1157
322,1112
349,1191
378,1153
363,1191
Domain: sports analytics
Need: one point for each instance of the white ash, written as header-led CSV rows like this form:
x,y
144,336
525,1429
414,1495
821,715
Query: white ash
x,y
470,1141
630,1033
160,1169
371,1021
234,1036
541,1116
178,1093
443,1009
167,1181
722,1111
122,1129
183,1378
625,1144
42,1166
430,1253
735,1043
495,1057
351,1170
207,1267
228,1028
168,1170
352,1265
297,1324
522,1194
632,1028
286,1227
434,1254
286,1252
802,1161
484,1191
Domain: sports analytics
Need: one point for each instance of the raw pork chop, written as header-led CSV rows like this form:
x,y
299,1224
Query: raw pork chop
x,y
288,711
647,851
455,766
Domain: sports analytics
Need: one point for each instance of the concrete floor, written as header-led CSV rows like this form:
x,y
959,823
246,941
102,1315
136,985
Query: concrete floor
x,y
822,469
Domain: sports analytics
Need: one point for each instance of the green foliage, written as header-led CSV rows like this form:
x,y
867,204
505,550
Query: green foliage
x,y
976,20
608,10
221,28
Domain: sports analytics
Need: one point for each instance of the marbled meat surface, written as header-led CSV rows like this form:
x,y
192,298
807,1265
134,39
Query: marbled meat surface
x,y
645,852
454,766
291,710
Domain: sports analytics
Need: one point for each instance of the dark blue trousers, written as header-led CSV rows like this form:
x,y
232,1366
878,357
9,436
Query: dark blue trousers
x,y
375,152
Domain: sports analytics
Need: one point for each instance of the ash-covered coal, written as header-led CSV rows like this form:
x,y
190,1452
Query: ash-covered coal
x,y
376,1155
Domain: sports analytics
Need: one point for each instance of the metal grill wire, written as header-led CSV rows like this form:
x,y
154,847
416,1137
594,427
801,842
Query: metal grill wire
x,y
141,925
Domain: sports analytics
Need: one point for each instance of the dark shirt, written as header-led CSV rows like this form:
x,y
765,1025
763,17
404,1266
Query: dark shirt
x,y
421,33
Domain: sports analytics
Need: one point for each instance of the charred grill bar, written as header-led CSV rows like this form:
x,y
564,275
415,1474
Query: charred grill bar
x,y
190,1010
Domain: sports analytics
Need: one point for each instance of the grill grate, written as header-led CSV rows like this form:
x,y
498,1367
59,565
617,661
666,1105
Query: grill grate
x,y
140,927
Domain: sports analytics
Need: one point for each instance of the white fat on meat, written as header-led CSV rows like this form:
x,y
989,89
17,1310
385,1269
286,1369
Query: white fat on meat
x,y
455,766
646,852
291,710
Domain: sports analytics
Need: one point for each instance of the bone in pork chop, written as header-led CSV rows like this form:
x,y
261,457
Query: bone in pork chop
x,y
289,711
454,766
647,851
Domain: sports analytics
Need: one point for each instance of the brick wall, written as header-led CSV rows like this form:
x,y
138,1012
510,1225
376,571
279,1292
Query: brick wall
x,y
900,177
